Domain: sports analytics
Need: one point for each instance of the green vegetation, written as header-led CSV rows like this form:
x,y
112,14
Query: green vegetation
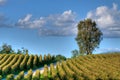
x,y
14,63
88,36
0,77
7,49
36,75
60,58
88,67
20,76
10,77
85,67
75,53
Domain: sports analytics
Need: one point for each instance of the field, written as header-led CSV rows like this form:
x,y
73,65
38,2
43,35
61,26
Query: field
x,y
14,63
89,67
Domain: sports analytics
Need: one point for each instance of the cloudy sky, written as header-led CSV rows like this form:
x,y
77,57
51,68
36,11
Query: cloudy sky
x,y
30,22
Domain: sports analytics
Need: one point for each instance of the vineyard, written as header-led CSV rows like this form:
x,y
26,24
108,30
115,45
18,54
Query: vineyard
x,y
89,67
14,63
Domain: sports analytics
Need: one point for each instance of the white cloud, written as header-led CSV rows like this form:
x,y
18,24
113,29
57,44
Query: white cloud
x,y
26,19
53,25
27,22
107,19
2,2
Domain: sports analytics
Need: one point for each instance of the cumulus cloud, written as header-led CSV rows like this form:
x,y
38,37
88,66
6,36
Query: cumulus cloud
x,y
2,2
107,19
53,25
27,22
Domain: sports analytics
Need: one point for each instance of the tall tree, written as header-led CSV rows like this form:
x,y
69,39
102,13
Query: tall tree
x,y
6,49
88,36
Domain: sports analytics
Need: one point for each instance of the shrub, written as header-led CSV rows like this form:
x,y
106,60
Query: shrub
x,y
0,77
60,58
45,59
53,72
61,72
15,67
10,77
40,59
36,76
30,62
6,70
20,76
24,62
45,73
29,75
35,61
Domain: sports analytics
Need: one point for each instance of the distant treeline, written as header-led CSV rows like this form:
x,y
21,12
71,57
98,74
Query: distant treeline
x,y
7,49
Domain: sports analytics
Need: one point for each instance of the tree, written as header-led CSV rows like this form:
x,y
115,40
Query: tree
x,y
75,53
24,51
6,49
60,57
88,36
19,51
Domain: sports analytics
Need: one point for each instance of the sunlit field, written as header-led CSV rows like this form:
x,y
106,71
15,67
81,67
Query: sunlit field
x,y
89,67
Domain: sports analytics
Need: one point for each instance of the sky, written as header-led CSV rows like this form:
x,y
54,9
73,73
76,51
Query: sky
x,y
45,26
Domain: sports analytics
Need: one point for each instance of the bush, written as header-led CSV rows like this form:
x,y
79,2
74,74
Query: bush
x,y
35,61
6,70
20,76
10,77
29,75
53,72
45,73
30,62
36,76
24,62
15,67
40,59
45,59
60,58
0,77
49,57
61,72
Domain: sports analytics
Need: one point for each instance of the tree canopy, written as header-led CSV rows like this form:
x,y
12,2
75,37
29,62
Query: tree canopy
x,y
75,53
88,37
6,49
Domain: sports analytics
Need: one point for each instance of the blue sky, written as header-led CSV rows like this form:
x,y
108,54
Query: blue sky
x,y
45,26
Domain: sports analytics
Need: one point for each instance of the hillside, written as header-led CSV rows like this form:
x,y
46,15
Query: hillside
x,y
90,67
14,63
